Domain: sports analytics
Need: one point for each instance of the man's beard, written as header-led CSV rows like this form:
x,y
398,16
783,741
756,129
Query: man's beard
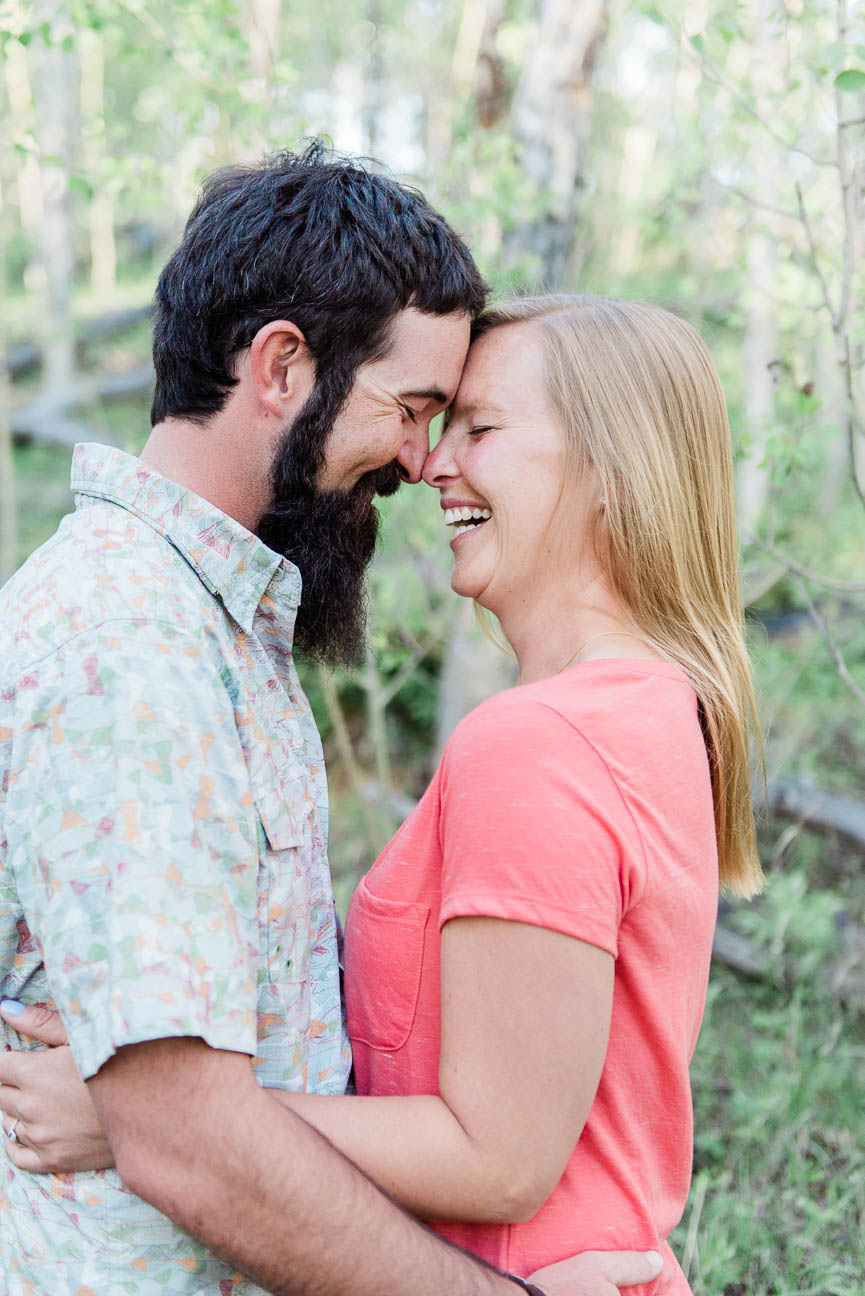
x,y
330,536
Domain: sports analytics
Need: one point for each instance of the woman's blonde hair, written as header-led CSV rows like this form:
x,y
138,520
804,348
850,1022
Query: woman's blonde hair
x,y
637,395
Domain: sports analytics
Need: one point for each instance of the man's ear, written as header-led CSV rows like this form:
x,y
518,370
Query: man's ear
x,y
281,367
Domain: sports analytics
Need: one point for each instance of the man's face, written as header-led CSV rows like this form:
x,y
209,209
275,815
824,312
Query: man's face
x,y
377,437
393,401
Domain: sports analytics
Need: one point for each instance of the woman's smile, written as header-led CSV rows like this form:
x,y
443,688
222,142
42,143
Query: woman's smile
x,y
464,516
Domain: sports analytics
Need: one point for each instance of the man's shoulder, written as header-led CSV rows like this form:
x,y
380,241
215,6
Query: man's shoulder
x,y
103,564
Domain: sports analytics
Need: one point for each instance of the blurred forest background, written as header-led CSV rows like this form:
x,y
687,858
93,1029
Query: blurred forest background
x,y
708,155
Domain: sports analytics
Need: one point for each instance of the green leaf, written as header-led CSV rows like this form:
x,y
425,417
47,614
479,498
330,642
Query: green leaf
x,y
699,44
850,81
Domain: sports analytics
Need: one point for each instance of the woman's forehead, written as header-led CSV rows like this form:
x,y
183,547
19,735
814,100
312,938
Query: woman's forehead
x,y
501,366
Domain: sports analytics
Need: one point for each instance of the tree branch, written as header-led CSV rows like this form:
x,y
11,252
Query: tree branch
x,y
790,565
820,622
815,259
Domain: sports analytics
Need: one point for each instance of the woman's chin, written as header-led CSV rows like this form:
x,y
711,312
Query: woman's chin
x,y
466,588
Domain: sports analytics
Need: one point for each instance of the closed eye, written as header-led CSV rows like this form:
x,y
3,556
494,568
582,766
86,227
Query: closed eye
x,y
410,412
477,431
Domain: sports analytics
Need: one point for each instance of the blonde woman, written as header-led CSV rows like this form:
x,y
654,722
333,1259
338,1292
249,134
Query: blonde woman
x,y
527,961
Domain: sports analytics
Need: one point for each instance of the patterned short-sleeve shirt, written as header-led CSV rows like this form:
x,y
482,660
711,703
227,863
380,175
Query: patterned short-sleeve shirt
x,y
163,819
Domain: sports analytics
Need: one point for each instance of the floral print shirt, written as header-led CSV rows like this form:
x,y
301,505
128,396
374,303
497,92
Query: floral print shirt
x,y
163,818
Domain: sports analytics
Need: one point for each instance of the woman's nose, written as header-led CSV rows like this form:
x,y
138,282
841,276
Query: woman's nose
x,y
440,466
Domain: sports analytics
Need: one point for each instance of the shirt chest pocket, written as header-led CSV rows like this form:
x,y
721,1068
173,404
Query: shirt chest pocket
x,y
384,953
292,865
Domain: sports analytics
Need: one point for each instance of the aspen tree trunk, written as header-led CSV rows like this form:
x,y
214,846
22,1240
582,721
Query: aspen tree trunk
x,y
851,179
8,505
551,118
19,115
830,392
760,339
103,250
759,357
372,107
53,79
476,71
473,669
262,34
261,28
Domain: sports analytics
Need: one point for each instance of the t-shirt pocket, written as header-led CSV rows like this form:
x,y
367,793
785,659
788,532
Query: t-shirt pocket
x,y
384,951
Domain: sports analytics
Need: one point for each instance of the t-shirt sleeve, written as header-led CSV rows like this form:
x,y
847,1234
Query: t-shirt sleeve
x,y
533,827
136,849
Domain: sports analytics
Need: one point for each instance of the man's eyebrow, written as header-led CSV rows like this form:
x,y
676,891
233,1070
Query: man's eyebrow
x,y
427,394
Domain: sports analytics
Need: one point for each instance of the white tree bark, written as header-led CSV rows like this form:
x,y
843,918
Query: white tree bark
x,y
8,503
551,117
261,23
103,250
19,106
760,340
54,77
472,671
830,393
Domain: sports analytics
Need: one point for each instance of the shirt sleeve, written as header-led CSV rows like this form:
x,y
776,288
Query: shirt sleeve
x,y
133,843
533,827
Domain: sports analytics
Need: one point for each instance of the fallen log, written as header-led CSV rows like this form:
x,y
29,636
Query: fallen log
x,y
24,356
736,951
802,801
48,418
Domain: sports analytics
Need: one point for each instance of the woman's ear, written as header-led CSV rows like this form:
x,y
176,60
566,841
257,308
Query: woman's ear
x,y
281,367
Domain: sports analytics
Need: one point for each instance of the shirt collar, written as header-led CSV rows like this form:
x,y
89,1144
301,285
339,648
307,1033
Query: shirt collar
x,y
233,564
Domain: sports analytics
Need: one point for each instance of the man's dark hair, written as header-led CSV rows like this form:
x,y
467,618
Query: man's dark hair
x,y
315,238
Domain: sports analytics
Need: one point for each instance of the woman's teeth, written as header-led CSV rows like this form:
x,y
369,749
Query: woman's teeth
x,y
466,519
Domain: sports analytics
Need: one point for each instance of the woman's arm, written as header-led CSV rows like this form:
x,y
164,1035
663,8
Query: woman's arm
x,y
525,1020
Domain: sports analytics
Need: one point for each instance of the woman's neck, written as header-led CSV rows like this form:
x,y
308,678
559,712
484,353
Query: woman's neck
x,y
552,633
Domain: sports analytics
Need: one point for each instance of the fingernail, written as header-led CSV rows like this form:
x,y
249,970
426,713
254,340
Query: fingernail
x,y
12,1007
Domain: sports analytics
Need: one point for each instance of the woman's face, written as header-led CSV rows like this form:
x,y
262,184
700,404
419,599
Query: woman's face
x,y
501,470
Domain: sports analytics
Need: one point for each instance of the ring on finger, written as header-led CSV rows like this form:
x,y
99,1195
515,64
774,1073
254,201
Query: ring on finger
x,y
11,1133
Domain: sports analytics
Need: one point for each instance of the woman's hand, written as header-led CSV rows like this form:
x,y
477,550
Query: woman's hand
x,y
598,1273
47,1104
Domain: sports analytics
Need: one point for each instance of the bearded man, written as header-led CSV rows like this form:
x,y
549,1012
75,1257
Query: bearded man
x,y
163,814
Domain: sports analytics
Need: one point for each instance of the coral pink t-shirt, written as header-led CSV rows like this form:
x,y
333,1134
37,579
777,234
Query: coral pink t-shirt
x,y
582,804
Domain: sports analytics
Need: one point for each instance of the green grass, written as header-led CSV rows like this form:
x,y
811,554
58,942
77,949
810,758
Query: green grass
x,y
777,1207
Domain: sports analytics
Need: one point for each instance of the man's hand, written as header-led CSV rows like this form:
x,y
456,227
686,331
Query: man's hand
x,y
43,1024
41,1093
598,1273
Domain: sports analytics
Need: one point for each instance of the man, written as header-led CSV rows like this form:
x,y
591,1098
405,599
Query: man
x,y
163,872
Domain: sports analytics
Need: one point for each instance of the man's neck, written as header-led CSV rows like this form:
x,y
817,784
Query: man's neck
x,y
214,460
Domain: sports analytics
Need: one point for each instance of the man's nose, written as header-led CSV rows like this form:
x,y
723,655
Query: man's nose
x,y
411,458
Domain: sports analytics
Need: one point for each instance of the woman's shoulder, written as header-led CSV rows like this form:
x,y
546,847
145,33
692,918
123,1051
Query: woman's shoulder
x,y
634,723
598,696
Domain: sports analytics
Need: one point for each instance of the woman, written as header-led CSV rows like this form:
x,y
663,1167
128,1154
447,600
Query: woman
x,y
526,963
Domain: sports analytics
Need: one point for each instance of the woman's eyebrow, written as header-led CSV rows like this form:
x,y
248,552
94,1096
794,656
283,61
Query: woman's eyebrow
x,y
467,408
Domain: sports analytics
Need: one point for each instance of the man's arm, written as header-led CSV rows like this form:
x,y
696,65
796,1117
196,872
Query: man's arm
x,y
194,1135
203,1105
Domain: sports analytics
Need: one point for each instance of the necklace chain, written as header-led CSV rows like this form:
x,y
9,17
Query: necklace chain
x,y
605,634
